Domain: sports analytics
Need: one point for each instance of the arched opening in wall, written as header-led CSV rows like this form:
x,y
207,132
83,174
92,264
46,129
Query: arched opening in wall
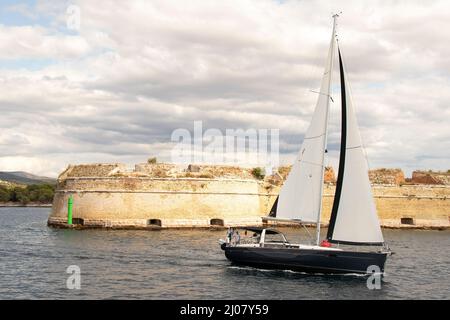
x,y
154,222
405,220
216,222
79,221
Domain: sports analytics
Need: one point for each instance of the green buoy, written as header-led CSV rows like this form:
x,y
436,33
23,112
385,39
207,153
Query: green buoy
x,y
69,210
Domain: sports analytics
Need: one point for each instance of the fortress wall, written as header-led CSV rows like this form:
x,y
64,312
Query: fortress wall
x,y
427,206
91,170
431,177
126,201
387,176
193,202
107,195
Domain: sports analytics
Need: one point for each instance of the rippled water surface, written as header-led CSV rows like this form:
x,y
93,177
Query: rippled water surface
x,y
176,264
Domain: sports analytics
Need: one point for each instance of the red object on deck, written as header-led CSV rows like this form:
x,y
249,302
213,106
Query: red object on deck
x,y
325,243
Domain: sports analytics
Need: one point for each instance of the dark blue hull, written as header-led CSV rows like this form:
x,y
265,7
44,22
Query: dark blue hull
x,y
306,260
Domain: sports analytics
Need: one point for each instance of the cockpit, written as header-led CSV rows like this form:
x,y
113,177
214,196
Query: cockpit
x,y
255,237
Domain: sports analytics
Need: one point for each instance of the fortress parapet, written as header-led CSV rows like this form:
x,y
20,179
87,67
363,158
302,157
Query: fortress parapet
x,y
154,196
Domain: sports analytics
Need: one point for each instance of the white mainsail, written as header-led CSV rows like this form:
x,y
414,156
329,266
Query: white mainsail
x,y
301,195
354,217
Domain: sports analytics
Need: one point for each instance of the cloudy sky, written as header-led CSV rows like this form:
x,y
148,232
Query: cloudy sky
x,y
114,89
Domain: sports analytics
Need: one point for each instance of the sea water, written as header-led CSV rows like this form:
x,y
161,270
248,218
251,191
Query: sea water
x,y
39,262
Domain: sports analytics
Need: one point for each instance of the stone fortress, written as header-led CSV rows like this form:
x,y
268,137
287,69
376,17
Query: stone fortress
x,y
160,195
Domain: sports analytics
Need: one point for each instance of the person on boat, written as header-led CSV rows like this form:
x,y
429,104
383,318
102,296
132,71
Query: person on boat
x,y
237,237
229,234
256,237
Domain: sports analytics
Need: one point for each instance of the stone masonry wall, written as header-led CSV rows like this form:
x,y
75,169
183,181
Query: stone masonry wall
x,y
198,196
387,176
134,201
426,206
430,177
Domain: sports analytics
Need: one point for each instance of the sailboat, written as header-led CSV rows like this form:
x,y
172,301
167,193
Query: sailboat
x,y
354,242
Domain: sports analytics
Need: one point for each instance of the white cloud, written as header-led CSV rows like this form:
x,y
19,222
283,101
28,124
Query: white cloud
x,y
138,70
19,42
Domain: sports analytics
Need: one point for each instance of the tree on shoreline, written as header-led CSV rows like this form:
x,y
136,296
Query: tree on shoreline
x,y
42,193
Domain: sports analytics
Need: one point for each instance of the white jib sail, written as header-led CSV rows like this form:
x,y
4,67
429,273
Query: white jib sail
x,y
356,219
301,195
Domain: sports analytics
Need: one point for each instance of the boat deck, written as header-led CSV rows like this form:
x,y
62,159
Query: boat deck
x,y
286,245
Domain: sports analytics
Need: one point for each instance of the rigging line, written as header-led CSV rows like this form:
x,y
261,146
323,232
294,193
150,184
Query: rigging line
x,y
336,15
320,135
324,94
356,147
309,234
312,73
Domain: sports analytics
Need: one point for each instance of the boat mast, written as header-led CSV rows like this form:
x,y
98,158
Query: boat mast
x,y
335,16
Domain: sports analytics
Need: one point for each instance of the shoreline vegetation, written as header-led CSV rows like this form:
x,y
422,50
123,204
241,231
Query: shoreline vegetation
x,y
33,195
